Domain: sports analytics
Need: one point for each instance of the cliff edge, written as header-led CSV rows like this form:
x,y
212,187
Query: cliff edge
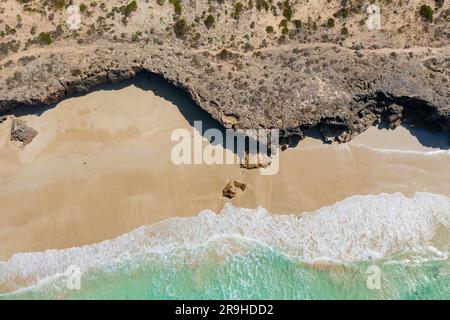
x,y
291,65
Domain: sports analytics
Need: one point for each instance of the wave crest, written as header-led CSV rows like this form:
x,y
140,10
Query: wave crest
x,y
357,228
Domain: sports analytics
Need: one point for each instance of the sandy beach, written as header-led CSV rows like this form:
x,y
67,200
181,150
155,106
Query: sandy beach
x,y
101,166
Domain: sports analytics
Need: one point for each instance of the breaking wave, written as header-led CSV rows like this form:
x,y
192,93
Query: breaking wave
x,y
359,228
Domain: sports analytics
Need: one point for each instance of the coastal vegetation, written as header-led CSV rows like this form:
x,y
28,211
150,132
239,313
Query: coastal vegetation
x,y
83,8
287,10
227,27
294,18
426,12
180,28
298,24
331,23
128,9
209,21
44,38
176,6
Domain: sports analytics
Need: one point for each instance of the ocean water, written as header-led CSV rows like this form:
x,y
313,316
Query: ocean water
x,y
337,252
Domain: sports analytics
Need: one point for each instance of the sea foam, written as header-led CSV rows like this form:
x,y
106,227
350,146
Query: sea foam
x,y
431,152
356,229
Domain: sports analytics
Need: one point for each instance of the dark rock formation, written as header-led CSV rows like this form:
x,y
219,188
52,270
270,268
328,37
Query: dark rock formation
x,y
280,91
310,77
229,191
240,185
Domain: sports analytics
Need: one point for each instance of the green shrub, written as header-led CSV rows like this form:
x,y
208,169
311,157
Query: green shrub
x,y
224,54
331,23
176,5
129,8
237,10
287,13
298,24
426,12
342,13
83,8
209,21
283,23
180,28
59,4
269,29
44,38
262,4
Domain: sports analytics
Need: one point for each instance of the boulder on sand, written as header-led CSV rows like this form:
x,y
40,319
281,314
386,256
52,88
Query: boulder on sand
x,y
21,132
229,191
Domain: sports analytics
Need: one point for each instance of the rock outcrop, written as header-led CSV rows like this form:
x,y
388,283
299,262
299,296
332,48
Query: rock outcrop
x,y
305,74
21,132
252,161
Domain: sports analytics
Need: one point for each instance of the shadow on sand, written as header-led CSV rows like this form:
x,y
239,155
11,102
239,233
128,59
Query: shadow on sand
x,y
426,137
161,87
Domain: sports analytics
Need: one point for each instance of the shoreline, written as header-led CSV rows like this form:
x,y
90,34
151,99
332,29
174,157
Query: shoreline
x,y
341,237
100,167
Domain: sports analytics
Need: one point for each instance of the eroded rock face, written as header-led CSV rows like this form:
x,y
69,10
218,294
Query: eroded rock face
x,y
312,76
21,132
255,161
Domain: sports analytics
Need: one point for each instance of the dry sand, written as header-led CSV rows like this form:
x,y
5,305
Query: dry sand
x,y
100,167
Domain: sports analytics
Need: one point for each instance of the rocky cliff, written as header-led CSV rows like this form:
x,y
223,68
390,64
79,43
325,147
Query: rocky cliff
x,y
288,64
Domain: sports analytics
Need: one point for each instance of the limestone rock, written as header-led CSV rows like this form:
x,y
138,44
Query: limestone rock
x,y
21,132
255,161
229,191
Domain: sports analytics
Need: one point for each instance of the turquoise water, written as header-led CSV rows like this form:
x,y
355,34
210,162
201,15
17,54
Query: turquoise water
x,y
252,254
260,274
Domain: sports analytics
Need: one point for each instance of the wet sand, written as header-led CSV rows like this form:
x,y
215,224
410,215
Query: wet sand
x,y
101,166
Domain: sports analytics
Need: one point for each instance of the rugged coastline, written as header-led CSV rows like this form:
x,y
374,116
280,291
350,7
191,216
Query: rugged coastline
x,y
343,84
118,181
101,165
